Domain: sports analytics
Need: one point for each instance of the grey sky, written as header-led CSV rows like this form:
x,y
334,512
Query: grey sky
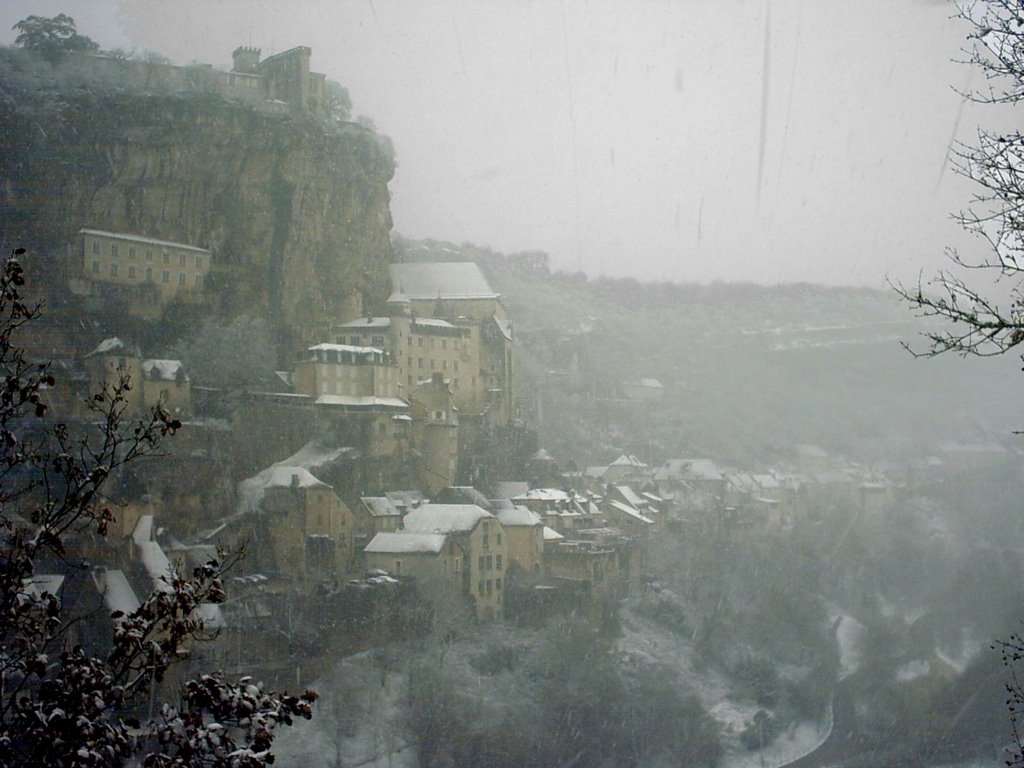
x,y
625,137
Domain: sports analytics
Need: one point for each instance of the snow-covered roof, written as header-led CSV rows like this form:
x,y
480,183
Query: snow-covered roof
x,y
118,594
40,583
542,494
313,455
630,496
652,498
407,543
361,401
447,280
595,472
504,326
631,512
518,516
252,490
368,322
649,383
143,530
550,534
445,518
141,239
345,348
627,460
163,370
380,506
704,469
114,345
157,565
211,616
432,322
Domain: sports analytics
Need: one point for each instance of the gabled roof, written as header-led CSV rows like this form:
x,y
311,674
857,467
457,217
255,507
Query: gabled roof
x,y
630,496
550,534
163,370
114,346
141,239
513,516
407,543
627,460
445,518
252,490
446,280
631,512
117,593
380,506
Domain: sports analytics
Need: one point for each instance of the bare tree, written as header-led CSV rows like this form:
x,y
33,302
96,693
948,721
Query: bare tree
x,y
59,705
967,294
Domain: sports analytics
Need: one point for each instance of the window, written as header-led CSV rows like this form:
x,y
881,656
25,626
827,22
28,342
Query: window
x,y
377,341
131,272
444,343
488,584
433,365
356,340
497,585
199,281
167,258
432,343
419,342
181,260
419,362
409,366
497,562
149,255
95,266
167,276
149,275
497,539
455,364
490,563
199,262
480,563
444,365
398,567
113,270
458,564
131,252
113,249
95,247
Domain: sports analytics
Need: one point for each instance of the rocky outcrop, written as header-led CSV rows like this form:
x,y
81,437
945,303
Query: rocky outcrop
x,y
294,209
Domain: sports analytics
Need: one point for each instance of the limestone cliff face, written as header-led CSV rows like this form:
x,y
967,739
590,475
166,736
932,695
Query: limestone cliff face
x,y
295,212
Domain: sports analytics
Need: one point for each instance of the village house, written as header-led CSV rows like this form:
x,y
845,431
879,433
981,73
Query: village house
x,y
148,272
524,532
153,382
435,425
435,560
481,536
300,528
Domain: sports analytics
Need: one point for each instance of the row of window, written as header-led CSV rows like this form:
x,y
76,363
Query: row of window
x,y
486,563
182,257
357,341
454,383
433,345
165,277
433,364
485,587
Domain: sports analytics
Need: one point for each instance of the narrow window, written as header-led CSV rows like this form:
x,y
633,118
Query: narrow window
x,y
113,270
131,272
167,276
96,266
113,249
181,278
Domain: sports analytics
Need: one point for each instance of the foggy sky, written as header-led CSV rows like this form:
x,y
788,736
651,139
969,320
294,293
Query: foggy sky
x,y
626,137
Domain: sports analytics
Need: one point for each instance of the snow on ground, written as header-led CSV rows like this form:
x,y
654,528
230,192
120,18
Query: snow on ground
x,y
645,642
850,637
371,736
